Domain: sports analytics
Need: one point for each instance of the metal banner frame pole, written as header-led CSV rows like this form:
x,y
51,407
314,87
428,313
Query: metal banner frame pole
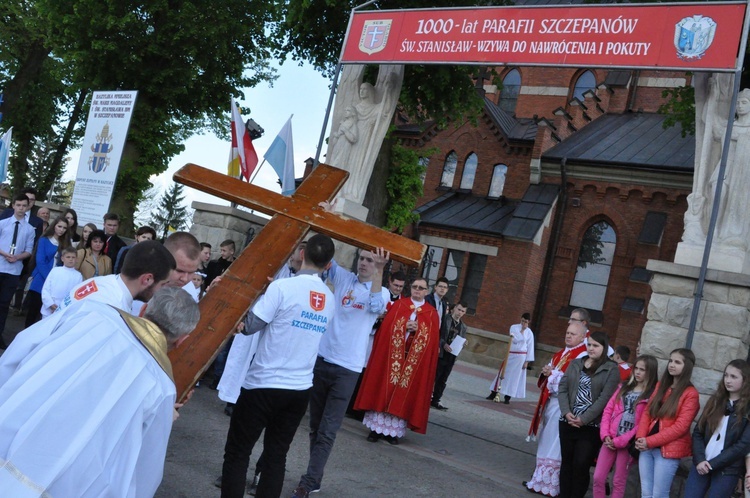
x,y
719,185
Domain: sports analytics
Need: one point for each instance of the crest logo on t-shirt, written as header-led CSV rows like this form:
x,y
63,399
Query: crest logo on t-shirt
x,y
87,289
317,300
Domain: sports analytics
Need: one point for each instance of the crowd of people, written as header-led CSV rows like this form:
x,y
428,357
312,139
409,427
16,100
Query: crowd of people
x,y
591,414
321,338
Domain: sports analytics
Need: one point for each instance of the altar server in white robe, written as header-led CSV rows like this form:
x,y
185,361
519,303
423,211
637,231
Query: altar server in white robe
x,y
86,400
520,354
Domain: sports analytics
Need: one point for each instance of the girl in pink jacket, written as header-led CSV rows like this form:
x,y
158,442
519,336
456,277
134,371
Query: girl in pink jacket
x,y
619,424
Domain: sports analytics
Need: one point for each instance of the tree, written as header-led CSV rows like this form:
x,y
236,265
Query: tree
x,y
171,212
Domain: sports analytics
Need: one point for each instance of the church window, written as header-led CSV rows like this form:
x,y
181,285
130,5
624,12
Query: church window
x,y
470,171
432,259
594,265
509,93
498,180
424,162
453,272
449,170
585,82
473,281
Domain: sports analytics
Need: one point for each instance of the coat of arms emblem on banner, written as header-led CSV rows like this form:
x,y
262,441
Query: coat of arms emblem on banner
x,y
693,35
374,36
99,161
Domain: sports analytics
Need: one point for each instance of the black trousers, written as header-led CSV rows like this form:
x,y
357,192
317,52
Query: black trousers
x,y
8,284
579,447
279,412
444,368
33,304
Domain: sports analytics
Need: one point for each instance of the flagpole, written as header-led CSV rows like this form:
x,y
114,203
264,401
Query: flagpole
x,y
257,170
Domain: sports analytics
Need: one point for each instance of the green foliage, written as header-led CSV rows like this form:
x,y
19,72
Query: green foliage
x,y
171,212
680,108
404,186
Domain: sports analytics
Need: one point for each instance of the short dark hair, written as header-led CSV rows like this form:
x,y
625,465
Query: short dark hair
x,y
399,275
230,242
30,190
112,217
20,197
526,316
319,250
585,315
185,242
442,280
463,303
96,234
624,352
146,229
148,256
204,245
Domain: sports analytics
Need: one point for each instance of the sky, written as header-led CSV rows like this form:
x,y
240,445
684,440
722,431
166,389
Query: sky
x,y
298,90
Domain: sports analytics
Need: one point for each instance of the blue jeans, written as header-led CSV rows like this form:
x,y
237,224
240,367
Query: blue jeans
x,y
657,473
714,483
333,386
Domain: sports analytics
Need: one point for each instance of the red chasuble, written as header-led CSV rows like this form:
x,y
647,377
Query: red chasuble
x,y
560,361
398,382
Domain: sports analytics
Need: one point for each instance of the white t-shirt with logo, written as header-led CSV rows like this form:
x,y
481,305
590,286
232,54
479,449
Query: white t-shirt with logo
x,y
298,312
357,310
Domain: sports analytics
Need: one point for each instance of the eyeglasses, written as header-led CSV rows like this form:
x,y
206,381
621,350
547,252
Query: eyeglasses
x,y
418,287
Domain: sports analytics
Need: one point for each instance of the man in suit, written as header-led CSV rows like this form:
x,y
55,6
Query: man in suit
x,y
437,298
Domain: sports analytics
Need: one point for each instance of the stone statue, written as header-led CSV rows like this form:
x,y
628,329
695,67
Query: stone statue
x,y
361,118
730,249
712,101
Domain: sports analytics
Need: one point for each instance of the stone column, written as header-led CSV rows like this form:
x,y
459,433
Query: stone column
x,y
722,332
215,224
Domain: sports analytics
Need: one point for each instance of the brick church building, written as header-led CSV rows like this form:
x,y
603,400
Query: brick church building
x,y
567,185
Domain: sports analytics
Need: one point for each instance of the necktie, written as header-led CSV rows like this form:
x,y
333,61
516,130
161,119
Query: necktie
x,y
106,246
15,238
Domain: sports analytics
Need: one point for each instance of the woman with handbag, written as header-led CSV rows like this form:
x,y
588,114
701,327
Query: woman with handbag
x,y
584,391
721,437
619,424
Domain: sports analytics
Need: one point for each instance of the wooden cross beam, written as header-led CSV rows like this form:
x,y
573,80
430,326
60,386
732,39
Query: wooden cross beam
x,y
247,277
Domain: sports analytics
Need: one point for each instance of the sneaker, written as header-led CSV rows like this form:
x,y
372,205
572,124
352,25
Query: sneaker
x,y
316,489
300,492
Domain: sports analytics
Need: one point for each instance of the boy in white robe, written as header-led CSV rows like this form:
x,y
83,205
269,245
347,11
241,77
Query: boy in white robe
x,y
60,282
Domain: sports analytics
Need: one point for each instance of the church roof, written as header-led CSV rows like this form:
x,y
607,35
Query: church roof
x,y
633,140
493,217
514,128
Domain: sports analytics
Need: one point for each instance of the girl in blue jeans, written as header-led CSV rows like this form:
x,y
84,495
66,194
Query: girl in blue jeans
x,y
721,439
663,435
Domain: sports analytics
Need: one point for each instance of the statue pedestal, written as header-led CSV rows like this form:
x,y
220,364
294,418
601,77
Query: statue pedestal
x,y
722,331
722,258
346,253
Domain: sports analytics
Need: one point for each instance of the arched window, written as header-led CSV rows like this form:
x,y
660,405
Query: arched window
x,y
498,180
509,93
594,265
470,171
585,82
424,162
449,170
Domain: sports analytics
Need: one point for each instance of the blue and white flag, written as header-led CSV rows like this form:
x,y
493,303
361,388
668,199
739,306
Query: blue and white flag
x,y
280,155
5,154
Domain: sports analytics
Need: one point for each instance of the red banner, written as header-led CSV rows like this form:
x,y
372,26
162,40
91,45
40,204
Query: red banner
x,y
694,36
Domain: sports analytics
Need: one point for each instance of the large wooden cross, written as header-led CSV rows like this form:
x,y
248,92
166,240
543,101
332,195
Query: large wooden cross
x,y
247,277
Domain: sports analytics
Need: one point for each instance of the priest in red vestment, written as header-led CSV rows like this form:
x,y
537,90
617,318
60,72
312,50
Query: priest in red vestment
x,y
546,477
398,381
